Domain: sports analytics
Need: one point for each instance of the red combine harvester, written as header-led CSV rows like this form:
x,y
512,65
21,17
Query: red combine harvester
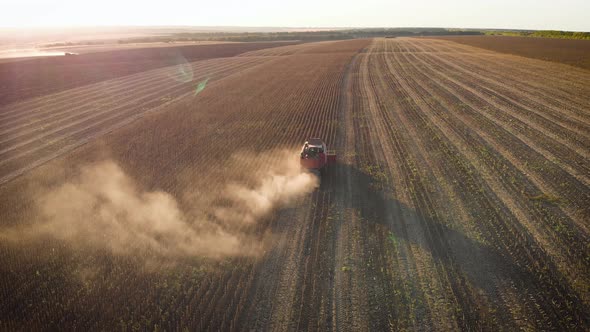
x,y
315,155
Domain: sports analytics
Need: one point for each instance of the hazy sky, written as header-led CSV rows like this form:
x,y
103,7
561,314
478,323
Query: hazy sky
x,y
523,14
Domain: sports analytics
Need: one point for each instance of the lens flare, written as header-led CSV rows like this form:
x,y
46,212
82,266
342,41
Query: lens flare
x,y
201,86
181,69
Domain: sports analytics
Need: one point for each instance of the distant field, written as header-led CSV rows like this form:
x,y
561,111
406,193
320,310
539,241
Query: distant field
x,y
569,51
23,54
20,80
83,49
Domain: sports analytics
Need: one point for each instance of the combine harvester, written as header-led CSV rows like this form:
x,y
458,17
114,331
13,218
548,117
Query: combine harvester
x,y
315,156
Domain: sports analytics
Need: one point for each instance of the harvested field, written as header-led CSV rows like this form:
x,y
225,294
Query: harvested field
x,y
286,50
459,200
107,47
569,51
25,79
44,128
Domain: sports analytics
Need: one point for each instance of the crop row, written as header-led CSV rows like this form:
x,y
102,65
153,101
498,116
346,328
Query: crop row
x,y
438,237
275,105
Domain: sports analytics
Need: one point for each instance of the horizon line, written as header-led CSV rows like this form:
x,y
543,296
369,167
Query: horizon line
x,y
163,26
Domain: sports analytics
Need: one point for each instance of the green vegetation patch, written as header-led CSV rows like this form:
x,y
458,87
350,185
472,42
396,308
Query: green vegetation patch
x,y
541,34
545,198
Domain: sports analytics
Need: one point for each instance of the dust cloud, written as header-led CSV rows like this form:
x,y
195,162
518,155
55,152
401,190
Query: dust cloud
x,y
103,208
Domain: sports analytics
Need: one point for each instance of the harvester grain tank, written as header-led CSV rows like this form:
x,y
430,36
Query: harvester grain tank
x,y
315,155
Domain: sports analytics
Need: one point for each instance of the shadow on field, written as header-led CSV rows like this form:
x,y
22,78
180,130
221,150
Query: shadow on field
x,y
466,261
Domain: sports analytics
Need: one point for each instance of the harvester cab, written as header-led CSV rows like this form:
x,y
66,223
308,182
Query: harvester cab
x,y
315,155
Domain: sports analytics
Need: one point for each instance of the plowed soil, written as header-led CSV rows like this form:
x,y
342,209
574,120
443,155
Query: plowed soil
x,y
569,51
460,199
21,80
